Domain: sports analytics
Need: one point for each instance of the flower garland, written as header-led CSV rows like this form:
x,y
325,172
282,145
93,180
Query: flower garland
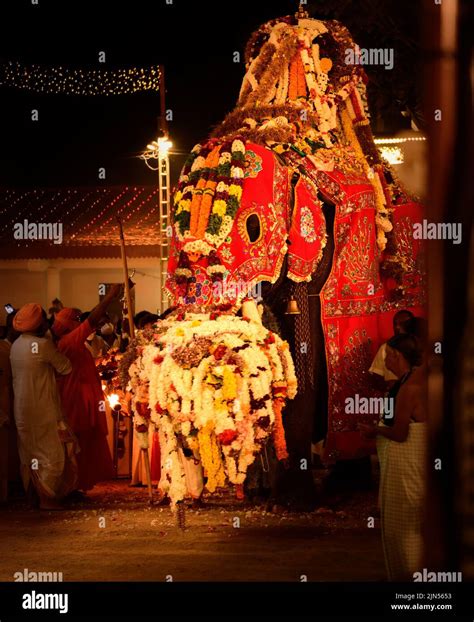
x,y
297,84
183,195
204,205
215,384
374,174
209,191
211,458
284,42
279,431
295,76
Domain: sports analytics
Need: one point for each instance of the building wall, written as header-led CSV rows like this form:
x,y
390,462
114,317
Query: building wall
x,y
18,287
80,287
75,282
414,170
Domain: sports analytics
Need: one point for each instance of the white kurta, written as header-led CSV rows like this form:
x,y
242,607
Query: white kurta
x,y
37,409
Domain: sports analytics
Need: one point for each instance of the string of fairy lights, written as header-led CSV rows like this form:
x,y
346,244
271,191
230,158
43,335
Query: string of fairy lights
x,y
102,222
66,81
90,215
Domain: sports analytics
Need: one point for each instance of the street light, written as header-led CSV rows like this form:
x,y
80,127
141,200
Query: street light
x,y
159,150
156,150
164,146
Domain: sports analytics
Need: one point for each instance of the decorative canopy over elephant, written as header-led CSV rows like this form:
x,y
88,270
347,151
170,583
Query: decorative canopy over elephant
x,y
289,198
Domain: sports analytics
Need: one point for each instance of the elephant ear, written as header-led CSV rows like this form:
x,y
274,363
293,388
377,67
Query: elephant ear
x,y
256,246
307,236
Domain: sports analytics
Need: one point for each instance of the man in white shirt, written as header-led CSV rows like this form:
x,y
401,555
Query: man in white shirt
x,y
37,407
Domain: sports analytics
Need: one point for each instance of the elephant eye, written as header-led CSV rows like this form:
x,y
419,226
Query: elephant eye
x,y
253,227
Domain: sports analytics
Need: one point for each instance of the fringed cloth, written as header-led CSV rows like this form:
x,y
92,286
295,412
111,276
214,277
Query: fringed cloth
x,y
402,494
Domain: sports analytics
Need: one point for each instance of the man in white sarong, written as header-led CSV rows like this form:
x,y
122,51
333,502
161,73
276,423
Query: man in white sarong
x,y
402,446
37,408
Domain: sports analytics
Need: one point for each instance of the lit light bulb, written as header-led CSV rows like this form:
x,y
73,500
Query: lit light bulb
x,y
113,400
164,145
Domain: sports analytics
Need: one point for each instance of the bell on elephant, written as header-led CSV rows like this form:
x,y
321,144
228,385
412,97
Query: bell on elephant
x,y
292,308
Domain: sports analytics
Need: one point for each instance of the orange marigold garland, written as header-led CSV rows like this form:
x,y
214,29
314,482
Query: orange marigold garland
x,y
204,190
279,439
205,391
301,76
293,84
195,203
205,207
209,192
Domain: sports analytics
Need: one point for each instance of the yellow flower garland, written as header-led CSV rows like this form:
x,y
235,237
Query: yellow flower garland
x,y
229,389
211,458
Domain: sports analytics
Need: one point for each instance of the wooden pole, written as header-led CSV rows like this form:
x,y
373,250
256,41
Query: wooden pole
x,y
131,328
440,68
163,121
146,460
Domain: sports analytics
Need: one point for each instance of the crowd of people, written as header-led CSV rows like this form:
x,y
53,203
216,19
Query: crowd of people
x,y
50,386
51,395
53,427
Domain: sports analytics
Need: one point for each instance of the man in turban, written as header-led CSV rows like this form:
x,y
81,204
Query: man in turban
x,y
37,408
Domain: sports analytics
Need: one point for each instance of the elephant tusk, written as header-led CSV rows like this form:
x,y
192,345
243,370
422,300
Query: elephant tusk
x,y
250,311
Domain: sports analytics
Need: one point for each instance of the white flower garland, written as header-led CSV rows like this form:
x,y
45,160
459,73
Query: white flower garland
x,y
228,391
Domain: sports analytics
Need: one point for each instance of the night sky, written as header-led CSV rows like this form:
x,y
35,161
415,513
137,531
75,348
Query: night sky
x,y
75,136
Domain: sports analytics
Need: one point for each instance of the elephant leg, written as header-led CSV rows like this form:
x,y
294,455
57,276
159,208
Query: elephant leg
x,y
320,373
294,485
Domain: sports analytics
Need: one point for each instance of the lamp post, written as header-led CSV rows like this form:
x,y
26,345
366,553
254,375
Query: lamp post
x,y
159,150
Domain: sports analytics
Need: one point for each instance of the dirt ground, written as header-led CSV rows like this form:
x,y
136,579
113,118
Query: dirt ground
x,y
140,542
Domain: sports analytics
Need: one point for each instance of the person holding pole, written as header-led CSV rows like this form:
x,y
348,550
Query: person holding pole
x,y
128,321
81,393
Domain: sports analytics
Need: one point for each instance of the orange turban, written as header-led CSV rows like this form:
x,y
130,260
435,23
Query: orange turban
x,y
28,318
65,321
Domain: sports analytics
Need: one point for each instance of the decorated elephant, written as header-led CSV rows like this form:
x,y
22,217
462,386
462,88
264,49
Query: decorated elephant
x,y
289,203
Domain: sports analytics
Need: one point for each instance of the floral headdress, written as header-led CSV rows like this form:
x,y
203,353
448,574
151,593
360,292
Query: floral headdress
x,y
299,91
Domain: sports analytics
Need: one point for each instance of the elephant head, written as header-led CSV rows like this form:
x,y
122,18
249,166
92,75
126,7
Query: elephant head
x,y
251,194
